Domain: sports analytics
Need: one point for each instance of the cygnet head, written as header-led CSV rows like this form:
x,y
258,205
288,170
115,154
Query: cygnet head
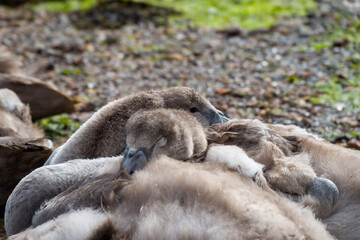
x,y
150,134
188,99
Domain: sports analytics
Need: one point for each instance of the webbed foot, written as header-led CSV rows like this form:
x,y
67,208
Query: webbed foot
x,y
322,195
324,190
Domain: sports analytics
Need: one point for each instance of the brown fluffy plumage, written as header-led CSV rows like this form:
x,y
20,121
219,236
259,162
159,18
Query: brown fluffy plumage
x,y
341,166
338,164
186,140
279,154
184,135
193,201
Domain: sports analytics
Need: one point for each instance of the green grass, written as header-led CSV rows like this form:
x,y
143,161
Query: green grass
x,y
63,6
71,72
332,136
249,14
276,111
343,28
58,126
341,94
349,34
294,79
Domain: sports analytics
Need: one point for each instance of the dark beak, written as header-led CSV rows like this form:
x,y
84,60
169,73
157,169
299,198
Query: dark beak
x,y
214,116
134,160
222,116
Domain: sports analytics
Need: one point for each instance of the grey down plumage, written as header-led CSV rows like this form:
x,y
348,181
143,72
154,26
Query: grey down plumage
x,y
324,158
209,196
103,135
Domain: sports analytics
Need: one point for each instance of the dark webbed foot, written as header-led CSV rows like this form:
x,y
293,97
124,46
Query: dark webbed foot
x,y
321,197
324,190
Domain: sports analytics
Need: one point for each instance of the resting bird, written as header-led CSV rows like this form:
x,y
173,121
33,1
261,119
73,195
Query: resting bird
x,y
170,199
287,166
337,205
22,144
103,135
155,133
181,136
177,134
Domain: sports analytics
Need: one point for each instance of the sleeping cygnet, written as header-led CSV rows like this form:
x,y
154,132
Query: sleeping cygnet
x,y
177,134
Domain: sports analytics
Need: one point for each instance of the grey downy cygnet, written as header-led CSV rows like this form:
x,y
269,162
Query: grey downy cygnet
x,y
103,135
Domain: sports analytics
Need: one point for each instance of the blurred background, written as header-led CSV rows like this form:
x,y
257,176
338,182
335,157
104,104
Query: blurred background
x,y
280,61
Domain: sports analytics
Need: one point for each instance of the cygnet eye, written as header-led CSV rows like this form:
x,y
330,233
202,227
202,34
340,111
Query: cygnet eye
x,y
193,110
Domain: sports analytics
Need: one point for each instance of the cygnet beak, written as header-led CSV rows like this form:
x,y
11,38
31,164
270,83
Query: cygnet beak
x,y
214,116
135,160
222,116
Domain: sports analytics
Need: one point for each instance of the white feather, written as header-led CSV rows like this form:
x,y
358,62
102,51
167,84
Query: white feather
x,y
234,158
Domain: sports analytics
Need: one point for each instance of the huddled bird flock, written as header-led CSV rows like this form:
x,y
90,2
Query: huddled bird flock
x,y
168,165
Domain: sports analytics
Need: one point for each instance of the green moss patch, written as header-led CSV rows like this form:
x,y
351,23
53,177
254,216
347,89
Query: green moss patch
x,y
341,94
64,6
58,126
249,14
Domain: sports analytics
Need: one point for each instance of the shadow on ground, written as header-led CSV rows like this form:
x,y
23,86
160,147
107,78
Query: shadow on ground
x,y
116,14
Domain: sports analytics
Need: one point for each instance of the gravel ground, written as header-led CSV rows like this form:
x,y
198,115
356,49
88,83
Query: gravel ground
x,y
263,74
